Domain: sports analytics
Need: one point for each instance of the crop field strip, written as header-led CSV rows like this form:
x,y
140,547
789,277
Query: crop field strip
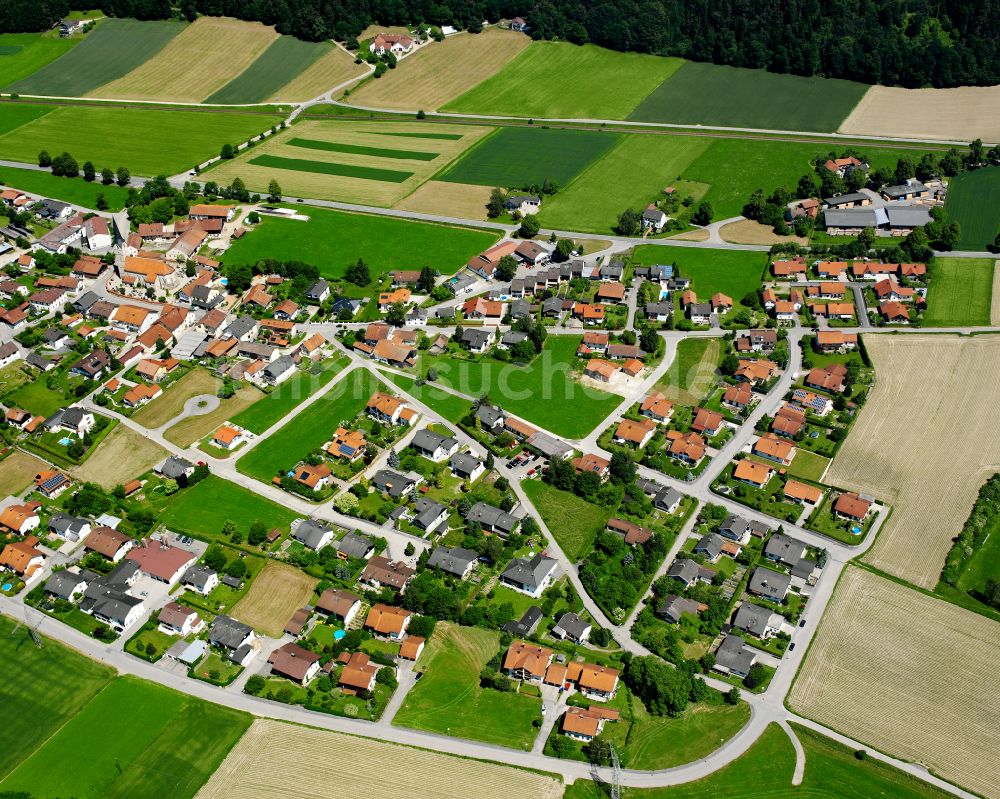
x,y
326,72
925,692
281,63
421,135
974,202
16,115
457,200
326,168
112,49
359,149
29,52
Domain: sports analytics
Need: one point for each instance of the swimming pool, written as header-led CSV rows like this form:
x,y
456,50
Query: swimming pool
x,y
65,441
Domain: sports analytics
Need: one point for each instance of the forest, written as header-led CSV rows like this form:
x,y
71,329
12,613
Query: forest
x,y
912,43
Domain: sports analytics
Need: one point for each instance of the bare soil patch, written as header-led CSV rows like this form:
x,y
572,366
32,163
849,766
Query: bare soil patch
x,y
17,471
122,456
460,200
746,231
274,596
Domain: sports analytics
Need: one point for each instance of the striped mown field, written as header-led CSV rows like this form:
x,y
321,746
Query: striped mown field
x,y
279,64
323,74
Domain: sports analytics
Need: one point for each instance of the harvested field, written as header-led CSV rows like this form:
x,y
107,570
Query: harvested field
x,y
929,469
746,231
995,299
440,72
122,456
164,408
193,428
959,114
924,692
372,30
692,235
300,757
333,69
273,597
17,471
209,53
459,200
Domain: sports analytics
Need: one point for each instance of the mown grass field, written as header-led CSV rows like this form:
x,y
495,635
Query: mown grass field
x,y
14,115
281,63
112,49
17,472
275,594
122,456
449,701
21,54
708,94
558,80
692,372
974,202
271,408
323,74
448,405
961,291
193,428
203,509
519,156
197,382
324,168
72,190
573,521
147,141
733,272
332,240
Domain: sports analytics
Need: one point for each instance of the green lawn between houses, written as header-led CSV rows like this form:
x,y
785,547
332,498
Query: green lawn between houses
x,y
573,521
733,272
961,291
693,371
283,61
974,202
449,701
448,405
72,190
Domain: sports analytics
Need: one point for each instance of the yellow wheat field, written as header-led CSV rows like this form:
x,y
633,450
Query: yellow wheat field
x,y
202,59
442,71
333,69
275,594
925,441
910,675
280,761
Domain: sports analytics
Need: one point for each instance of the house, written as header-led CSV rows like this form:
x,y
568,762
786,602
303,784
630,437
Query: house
x,y
830,378
801,493
690,572
532,253
340,604
734,657
107,598
667,500
630,532
889,289
523,204
397,44
526,661
388,622
592,681
315,478
851,506
318,292
186,245
347,444
632,432
109,543
228,438
484,264
386,299
390,410
707,422
358,673
657,407
794,269
755,371
835,341
518,24
412,647
842,167
700,313
784,549
22,557
600,370
294,663
526,625
686,447
756,620
756,474
140,394
592,463
392,483
894,313
735,528
466,466
756,341
738,397
176,619
200,579
455,561
428,514
711,546
658,311
50,483
653,218
312,534
72,528
810,401
769,584
571,626
67,585
391,352
912,189
611,292
235,639
529,576
433,445
210,212
380,572
160,561
490,417
772,448
492,520
550,448
673,608
175,468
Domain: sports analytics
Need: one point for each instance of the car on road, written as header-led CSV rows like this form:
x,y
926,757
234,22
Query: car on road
x,y
791,646
802,623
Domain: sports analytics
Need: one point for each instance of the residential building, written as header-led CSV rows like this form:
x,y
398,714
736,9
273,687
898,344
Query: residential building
x,y
529,576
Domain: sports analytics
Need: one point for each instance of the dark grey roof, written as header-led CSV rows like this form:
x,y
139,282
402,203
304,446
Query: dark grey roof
x,y
785,549
241,326
855,217
573,626
232,582
227,632
552,304
907,216
804,568
527,623
70,417
62,584
769,583
316,289
529,573
672,607
175,466
689,570
710,545
667,497
489,415
453,560
355,545
428,512
512,337
392,483
38,361
850,197
465,463
122,574
518,309
311,533
198,576
755,619
734,655
110,604
734,527
476,337
278,367
658,308
445,312
903,189
549,447
428,441
66,525
612,270
488,516
700,309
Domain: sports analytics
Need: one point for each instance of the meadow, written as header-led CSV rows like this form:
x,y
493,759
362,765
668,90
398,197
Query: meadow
x,y
708,94
733,272
147,141
573,522
19,469
449,406
275,594
112,49
693,371
323,168
327,71
21,54
961,290
273,407
122,456
518,156
974,202
13,115
197,382
72,190
332,240
193,428
281,63
203,509
558,80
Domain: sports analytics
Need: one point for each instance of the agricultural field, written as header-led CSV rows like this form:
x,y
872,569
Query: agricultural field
x,y
573,522
733,272
14,114
197,382
278,65
933,470
958,114
456,200
332,69
333,240
448,699
747,231
708,94
274,596
122,456
299,756
441,71
449,406
147,141
17,471
349,161
21,54
961,292
205,57
693,371
73,190
558,80
112,49
974,202
518,156
874,675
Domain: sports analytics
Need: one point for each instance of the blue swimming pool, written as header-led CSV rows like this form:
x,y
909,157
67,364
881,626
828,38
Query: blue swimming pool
x,y
65,441
338,634
6,586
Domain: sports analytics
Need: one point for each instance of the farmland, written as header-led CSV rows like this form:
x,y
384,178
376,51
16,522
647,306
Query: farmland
x,y
21,54
875,675
332,240
147,141
457,200
449,700
327,71
572,521
299,756
961,291
17,471
14,115
72,190
974,202
278,65
441,71
114,48
520,156
708,94
122,456
586,82
732,272
933,470
692,372
207,55
195,383
274,596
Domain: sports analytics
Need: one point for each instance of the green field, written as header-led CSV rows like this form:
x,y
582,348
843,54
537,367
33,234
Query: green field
x,y
707,94
282,62
326,168
360,149
449,701
147,141
557,80
332,240
72,190
274,406
29,52
515,157
974,202
203,509
960,293
983,565
692,373
572,521
114,48
539,393
733,272
447,405
808,465
14,115
311,428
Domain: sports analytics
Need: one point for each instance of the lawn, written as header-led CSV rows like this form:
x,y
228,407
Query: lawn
x,y
13,115
808,465
449,406
37,398
693,371
558,80
733,272
961,290
326,168
71,190
449,701
974,202
332,240
273,407
33,51
164,408
113,48
572,521
707,94
539,392
146,140
311,428
983,565
279,64
519,156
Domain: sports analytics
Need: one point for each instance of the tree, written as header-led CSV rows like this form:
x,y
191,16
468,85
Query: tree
x,y
703,213
425,283
237,568
255,685
587,484
733,696
44,159
227,152
649,340
629,223
664,690
495,205
273,192
88,171
506,269
358,273
100,202
529,227
107,176
622,468
756,677
122,176
258,533
215,557
561,254
396,315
